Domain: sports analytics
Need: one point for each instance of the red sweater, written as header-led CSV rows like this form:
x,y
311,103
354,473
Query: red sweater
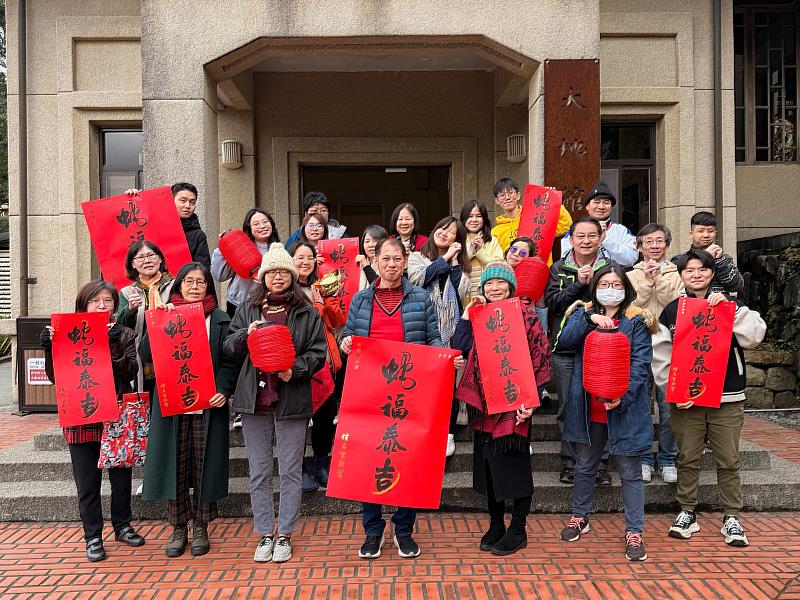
x,y
387,318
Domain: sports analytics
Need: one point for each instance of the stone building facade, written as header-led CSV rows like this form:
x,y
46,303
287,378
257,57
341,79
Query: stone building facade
x,y
369,83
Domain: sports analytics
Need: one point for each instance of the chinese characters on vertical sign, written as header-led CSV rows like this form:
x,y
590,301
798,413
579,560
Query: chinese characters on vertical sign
x,y
572,128
85,390
118,221
505,362
540,210
392,431
340,255
700,349
181,358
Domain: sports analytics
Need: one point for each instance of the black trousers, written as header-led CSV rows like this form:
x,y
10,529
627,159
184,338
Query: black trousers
x,y
88,479
323,430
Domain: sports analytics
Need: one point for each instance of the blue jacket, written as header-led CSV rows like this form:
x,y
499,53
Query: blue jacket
x,y
416,309
630,425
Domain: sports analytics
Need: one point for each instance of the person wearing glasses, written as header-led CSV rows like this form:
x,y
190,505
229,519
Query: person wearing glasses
x,y
507,197
618,241
317,203
276,405
570,278
314,229
191,450
152,284
521,248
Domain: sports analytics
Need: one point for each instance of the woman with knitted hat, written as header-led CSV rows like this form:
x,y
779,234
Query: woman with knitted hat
x,y
276,405
501,457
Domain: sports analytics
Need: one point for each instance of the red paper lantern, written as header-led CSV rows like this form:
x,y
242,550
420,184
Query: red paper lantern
x,y
606,364
240,252
532,276
271,348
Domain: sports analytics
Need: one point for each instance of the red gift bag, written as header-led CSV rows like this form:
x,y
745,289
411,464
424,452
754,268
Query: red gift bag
x,y
124,442
322,387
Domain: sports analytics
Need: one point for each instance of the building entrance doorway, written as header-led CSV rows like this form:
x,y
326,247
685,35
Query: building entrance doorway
x,y
366,195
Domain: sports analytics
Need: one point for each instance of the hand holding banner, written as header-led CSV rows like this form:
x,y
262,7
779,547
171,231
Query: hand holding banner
x,y
541,208
392,431
118,221
503,355
341,255
181,359
85,390
700,349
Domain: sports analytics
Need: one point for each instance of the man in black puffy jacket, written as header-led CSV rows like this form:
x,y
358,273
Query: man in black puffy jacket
x,y
185,195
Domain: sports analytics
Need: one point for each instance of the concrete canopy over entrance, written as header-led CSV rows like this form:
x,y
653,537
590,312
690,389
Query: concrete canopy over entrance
x,y
203,84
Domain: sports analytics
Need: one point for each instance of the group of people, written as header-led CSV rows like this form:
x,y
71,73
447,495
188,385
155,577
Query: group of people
x,y
420,290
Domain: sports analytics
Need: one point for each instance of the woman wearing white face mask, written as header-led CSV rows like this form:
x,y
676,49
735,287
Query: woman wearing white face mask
x,y
625,423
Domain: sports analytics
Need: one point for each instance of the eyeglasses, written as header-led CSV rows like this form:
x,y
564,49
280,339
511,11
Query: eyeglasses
x,y
587,236
145,257
321,209
507,194
651,243
314,226
521,252
604,285
283,274
101,302
201,283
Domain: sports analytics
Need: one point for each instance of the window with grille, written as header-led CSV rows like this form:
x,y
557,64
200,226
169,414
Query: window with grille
x,y
765,83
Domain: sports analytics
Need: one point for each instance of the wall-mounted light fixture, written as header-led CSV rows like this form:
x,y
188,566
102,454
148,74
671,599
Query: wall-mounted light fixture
x,y
516,148
231,154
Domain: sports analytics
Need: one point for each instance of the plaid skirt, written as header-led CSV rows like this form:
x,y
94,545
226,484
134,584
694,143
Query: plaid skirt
x,y
189,467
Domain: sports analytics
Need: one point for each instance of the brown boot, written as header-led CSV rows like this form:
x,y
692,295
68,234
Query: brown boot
x,y
200,543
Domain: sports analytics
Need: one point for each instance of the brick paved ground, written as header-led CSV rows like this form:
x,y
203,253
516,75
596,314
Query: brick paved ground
x,y
39,560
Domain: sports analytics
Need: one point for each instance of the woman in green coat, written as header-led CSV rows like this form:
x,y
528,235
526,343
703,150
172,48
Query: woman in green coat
x,y
191,450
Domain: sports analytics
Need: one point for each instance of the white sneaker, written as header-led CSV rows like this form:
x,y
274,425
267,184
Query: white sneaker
x,y
139,489
733,532
264,549
647,473
669,474
451,445
237,422
530,449
283,550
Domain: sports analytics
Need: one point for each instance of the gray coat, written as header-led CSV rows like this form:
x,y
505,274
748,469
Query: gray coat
x,y
308,336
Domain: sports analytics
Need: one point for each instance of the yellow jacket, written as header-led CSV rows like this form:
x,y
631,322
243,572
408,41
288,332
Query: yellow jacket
x,y
506,229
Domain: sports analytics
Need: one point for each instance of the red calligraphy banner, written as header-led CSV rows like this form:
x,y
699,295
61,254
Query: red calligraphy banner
x,y
392,430
85,390
504,357
541,208
340,255
700,349
118,221
181,359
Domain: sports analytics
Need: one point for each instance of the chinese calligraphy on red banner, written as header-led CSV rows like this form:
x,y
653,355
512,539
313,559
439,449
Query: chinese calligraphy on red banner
x,y
340,255
85,390
700,350
540,210
118,221
181,359
392,431
505,361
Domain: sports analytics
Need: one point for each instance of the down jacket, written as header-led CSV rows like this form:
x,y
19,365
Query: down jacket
x,y
630,425
310,347
417,312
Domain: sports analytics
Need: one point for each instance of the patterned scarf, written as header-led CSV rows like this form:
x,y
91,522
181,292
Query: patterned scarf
x,y
209,302
446,305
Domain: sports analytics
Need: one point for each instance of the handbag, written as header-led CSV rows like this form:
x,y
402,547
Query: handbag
x,y
124,442
322,387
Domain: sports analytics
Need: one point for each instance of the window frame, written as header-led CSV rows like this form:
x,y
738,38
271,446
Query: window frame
x,y
105,170
751,149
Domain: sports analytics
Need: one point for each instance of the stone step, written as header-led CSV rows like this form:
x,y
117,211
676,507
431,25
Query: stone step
x,y
24,463
772,490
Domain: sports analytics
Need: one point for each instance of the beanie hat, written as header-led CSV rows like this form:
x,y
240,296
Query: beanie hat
x,y
275,259
499,269
601,190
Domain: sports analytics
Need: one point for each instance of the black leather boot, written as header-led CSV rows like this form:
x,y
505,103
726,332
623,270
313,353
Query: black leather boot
x,y
497,525
515,538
